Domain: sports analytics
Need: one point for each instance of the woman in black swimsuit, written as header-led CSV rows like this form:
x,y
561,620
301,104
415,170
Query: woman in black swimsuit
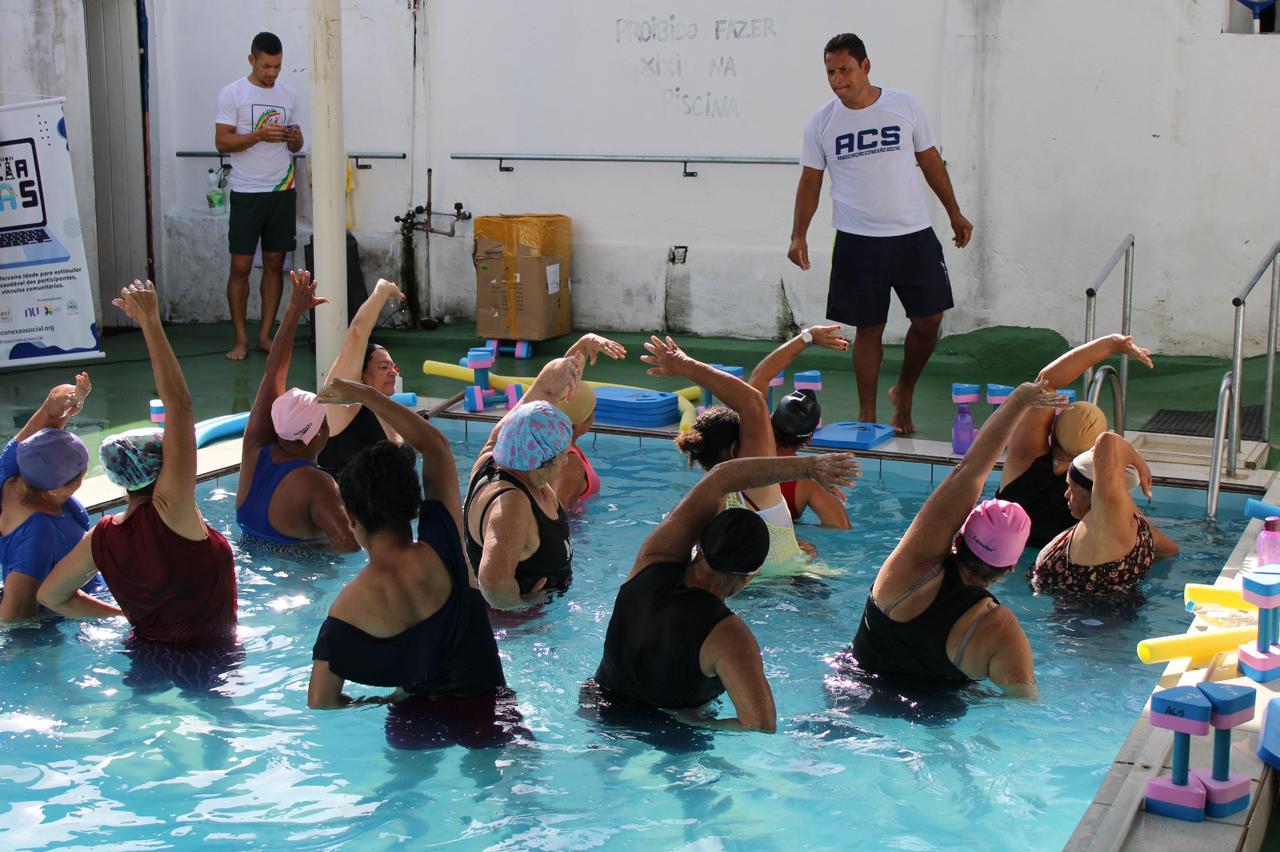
x,y
516,531
410,619
354,427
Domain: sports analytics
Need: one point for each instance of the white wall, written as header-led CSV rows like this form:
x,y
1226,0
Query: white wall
x,y
1063,130
42,54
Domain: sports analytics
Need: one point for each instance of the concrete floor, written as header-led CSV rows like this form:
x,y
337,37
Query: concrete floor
x,y
1005,354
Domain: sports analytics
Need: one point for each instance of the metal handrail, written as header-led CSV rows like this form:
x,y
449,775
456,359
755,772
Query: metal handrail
x,y
1237,353
356,156
684,160
1225,390
1125,250
1106,371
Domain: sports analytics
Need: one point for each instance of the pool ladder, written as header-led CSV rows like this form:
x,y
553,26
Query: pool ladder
x,y
1226,426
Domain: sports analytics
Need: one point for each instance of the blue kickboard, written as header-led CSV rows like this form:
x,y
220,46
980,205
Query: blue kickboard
x,y
1269,739
852,435
1228,698
632,399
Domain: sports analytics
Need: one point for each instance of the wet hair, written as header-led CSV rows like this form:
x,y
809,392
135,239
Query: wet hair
x,y
971,562
369,349
849,43
380,487
707,442
266,43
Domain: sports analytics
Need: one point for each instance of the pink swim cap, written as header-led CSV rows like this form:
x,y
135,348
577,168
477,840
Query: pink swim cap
x,y
296,415
996,531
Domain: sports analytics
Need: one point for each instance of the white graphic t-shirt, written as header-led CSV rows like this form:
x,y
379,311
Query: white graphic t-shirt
x,y
263,166
870,153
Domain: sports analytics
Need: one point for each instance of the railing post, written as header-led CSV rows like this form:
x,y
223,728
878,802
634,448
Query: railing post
x,y
1215,451
1271,348
1090,299
1237,368
1126,327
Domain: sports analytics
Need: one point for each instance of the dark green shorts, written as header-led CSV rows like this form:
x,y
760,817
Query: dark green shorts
x,y
269,216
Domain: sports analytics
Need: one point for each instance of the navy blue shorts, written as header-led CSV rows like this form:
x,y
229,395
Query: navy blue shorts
x,y
865,269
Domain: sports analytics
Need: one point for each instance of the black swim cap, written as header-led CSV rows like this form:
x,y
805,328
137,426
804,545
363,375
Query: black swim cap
x,y
797,415
735,542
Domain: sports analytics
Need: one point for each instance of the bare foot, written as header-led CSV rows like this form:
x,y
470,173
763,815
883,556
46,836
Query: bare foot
x,y
867,415
902,423
238,352
264,346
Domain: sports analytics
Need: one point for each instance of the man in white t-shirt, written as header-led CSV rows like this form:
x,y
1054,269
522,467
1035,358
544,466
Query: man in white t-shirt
x,y
257,125
872,139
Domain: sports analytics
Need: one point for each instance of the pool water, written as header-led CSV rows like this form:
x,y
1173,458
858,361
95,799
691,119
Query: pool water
x,y
99,747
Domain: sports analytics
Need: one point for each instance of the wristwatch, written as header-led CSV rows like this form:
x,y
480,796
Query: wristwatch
x,y
807,337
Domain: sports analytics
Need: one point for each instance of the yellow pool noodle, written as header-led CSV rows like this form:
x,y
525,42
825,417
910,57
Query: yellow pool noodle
x,y
685,397
1218,595
1195,645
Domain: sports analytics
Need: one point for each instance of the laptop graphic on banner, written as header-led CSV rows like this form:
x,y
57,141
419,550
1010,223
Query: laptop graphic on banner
x,y
24,238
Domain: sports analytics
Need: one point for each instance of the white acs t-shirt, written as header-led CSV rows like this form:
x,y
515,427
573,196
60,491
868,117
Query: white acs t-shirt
x,y
870,153
263,166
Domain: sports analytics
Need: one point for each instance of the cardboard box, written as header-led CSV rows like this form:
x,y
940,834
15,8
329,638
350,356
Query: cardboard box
x,y
522,276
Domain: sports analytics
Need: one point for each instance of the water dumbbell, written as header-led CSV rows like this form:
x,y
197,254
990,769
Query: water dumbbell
x,y
522,349
808,380
157,412
775,382
997,394
476,398
1226,792
1258,660
1185,711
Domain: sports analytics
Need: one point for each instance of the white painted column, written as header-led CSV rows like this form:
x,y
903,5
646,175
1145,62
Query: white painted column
x,y
328,181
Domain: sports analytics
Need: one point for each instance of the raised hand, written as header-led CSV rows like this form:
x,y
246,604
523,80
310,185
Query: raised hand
x,y
594,345
833,470
665,357
304,298
1126,346
138,301
389,290
1039,395
828,336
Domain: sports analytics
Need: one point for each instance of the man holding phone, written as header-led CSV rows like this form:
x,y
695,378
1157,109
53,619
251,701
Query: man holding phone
x,y
256,124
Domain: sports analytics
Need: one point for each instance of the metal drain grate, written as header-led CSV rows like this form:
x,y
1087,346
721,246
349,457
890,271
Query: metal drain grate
x,y
1171,421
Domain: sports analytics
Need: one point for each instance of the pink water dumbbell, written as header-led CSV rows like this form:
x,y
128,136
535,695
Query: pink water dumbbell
x,y
1226,792
1185,711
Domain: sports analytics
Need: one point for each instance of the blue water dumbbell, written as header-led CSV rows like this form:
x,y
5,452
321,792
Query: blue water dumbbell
x,y
775,382
1185,711
1226,792
157,412
1260,659
707,399
475,398
521,349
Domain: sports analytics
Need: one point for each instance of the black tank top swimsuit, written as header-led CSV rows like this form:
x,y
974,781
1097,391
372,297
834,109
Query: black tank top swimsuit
x,y
655,636
364,430
919,647
1043,494
554,557
451,654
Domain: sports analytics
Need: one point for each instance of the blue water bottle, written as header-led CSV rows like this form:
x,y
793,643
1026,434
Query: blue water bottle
x,y
962,426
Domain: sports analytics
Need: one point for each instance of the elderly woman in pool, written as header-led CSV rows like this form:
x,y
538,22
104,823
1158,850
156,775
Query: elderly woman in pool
x,y
354,427
40,521
1112,545
515,529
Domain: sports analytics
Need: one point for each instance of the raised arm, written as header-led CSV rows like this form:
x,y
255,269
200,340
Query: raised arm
x,y
175,491
439,473
592,346
350,361
61,404
675,537
930,535
755,436
1111,503
556,381
1069,366
779,359
259,431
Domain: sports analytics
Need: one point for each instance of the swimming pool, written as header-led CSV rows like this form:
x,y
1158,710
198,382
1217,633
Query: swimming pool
x,y
100,747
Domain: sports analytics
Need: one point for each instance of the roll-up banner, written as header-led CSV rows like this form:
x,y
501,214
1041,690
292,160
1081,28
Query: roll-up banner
x,y
46,306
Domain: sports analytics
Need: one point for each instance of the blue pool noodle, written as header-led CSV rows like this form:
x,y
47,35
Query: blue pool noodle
x,y
1257,509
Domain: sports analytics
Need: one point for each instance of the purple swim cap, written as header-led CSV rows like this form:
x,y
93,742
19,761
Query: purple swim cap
x,y
51,458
